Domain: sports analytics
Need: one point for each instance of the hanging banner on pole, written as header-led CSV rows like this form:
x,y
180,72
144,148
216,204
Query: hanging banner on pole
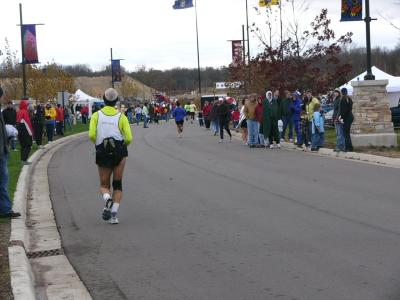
x,y
116,70
30,45
351,10
237,52
181,4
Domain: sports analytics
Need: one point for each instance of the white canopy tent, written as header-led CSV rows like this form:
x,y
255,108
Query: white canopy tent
x,y
393,88
84,99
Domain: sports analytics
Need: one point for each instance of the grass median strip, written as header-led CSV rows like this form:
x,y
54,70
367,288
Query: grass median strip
x,y
14,169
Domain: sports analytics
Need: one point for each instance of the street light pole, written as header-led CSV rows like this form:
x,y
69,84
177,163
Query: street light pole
x,y
25,94
198,49
244,45
112,70
368,20
63,105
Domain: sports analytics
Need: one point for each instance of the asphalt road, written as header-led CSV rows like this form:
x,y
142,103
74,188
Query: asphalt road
x,y
202,220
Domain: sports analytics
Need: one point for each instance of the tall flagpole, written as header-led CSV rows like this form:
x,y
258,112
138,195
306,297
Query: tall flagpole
x,y
198,51
248,35
283,69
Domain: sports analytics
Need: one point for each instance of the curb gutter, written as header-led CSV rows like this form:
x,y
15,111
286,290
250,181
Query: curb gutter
x,y
39,269
362,157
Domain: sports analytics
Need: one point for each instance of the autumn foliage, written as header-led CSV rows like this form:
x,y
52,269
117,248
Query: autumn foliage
x,y
308,60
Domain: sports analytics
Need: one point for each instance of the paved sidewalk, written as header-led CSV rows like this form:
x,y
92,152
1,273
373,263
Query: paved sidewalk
x,y
39,268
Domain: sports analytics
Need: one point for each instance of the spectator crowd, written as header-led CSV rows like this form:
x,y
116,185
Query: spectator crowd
x,y
295,117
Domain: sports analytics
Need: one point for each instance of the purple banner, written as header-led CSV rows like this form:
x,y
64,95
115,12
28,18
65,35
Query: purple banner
x,y
116,70
29,44
351,10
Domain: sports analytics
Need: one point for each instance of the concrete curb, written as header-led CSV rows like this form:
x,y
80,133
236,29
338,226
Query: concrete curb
x,y
21,268
362,157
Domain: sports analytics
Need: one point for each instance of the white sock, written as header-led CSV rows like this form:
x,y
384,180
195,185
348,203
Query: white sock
x,y
115,207
106,197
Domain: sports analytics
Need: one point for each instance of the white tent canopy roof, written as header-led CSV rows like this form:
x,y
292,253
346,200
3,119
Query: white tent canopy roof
x,y
392,87
80,96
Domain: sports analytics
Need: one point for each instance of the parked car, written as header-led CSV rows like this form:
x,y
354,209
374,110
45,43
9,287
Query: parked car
x,y
329,119
396,116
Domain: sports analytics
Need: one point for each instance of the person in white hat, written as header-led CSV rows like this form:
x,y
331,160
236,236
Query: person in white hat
x,y
110,131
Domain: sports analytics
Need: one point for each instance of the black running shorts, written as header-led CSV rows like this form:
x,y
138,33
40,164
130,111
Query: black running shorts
x,y
110,161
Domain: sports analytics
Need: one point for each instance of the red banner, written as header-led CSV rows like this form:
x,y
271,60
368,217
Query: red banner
x,y
237,52
29,44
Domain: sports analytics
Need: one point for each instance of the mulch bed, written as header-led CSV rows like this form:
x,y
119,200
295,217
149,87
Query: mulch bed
x,y
5,285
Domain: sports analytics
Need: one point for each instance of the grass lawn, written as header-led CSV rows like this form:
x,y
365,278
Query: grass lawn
x,y
14,163
14,168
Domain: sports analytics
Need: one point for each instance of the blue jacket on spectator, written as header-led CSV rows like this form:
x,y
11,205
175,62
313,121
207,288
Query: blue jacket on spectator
x,y
319,122
295,107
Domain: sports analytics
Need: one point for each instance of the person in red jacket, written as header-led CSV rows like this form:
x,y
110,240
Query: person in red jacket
x,y
206,111
25,131
59,120
259,117
85,114
236,118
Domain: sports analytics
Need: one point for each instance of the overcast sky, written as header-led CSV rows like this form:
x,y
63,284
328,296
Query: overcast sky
x,y
151,33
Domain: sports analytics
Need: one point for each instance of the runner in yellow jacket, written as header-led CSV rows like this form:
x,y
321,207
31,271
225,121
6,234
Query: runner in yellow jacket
x,y
110,131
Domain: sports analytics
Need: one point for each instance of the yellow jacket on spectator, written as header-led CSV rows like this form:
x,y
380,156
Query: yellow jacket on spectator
x,y
50,114
310,108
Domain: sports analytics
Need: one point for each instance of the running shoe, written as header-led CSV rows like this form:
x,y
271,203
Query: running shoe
x,y
114,219
107,210
221,141
279,146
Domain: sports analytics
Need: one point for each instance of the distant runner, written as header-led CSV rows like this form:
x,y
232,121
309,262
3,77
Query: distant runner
x,y
110,131
179,115
192,111
187,110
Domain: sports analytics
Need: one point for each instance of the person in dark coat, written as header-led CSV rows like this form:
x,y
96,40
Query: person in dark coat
x,y
5,201
287,116
224,116
271,115
38,124
213,117
338,121
10,114
10,118
346,111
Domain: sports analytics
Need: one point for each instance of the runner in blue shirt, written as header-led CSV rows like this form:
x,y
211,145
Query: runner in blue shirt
x,y
179,114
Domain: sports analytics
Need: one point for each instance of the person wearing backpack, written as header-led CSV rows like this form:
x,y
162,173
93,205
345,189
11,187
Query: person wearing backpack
x,y
111,133
318,129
